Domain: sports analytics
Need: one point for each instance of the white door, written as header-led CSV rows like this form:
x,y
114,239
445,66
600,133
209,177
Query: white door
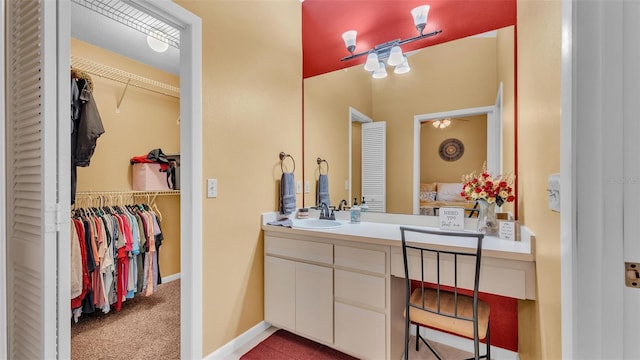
x,y
374,165
601,136
37,184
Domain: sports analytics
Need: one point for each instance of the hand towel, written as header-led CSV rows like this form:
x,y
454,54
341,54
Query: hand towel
x,y
286,222
287,193
322,195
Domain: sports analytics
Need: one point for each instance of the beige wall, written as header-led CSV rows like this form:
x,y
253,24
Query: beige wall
x,y
252,110
146,121
539,36
327,99
471,131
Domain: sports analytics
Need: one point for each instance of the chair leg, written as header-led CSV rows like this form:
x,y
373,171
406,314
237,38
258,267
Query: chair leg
x,y
406,335
417,337
488,340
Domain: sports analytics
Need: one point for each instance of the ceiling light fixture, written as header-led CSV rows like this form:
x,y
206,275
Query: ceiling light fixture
x,y
391,50
157,41
441,123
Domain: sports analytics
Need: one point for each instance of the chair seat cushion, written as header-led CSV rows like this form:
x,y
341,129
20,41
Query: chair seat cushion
x,y
447,306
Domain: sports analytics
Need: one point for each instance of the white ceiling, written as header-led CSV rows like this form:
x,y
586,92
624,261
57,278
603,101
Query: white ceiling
x,y
99,30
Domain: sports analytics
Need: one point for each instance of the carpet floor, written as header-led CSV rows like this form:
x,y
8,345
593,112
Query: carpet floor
x,y
147,327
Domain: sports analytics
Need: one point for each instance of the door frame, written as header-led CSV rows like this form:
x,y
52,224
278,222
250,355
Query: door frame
x,y
494,136
191,170
191,195
3,187
358,117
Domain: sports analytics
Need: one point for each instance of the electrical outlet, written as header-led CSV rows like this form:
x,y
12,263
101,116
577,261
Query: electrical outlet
x,y
212,188
306,187
298,187
346,184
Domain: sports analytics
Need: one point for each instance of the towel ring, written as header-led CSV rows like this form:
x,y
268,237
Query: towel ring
x,y
320,161
283,156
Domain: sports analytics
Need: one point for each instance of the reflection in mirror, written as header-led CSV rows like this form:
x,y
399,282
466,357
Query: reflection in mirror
x,y
460,74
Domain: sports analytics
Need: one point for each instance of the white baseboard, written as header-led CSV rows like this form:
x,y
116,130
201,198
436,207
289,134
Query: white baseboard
x,y
464,344
229,348
166,279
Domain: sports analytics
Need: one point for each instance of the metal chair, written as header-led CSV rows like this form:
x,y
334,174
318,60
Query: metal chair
x,y
440,302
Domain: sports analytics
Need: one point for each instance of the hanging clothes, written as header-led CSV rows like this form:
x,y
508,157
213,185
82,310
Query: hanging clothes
x,y
113,256
86,124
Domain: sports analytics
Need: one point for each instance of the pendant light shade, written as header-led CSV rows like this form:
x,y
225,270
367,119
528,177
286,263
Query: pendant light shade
x,y
420,15
395,56
381,72
349,38
372,62
402,68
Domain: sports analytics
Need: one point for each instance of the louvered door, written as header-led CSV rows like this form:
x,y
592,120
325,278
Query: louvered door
x,y
33,162
374,165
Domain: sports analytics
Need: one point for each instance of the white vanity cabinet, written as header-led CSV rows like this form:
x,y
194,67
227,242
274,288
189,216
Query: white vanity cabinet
x,y
298,283
360,297
329,290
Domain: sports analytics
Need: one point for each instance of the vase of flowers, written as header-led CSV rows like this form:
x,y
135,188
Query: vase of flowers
x,y
488,191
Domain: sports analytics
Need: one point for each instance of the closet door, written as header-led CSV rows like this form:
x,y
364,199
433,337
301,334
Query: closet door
x,y
37,227
374,165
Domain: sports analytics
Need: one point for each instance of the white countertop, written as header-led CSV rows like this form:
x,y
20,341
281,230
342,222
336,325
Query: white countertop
x,y
384,229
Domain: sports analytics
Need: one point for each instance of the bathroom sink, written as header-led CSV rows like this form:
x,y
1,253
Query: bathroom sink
x,y
316,224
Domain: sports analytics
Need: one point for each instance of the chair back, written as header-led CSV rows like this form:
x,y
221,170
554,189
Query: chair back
x,y
428,258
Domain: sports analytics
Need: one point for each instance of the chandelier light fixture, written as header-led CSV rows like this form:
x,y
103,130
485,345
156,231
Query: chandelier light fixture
x,y
390,51
441,123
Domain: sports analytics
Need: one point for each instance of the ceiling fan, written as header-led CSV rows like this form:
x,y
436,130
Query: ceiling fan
x,y
444,122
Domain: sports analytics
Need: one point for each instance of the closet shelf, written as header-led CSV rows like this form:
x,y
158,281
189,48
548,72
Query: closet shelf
x,y
128,193
127,14
124,77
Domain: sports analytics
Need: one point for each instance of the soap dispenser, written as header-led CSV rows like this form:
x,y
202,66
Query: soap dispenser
x,y
364,207
355,213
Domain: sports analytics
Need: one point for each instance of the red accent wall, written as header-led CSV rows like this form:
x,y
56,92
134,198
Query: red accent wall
x,y
379,21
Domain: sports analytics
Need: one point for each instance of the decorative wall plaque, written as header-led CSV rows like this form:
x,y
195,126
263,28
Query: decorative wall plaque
x,y
451,149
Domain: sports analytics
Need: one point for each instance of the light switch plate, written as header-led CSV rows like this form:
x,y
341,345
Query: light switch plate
x,y
554,192
346,184
306,187
212,188
298,187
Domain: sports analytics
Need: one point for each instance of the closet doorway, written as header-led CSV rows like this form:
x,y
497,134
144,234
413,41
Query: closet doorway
x,y
182,31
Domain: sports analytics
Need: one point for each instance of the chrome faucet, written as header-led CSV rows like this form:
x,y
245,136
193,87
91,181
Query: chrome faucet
x,y
325,214
343,202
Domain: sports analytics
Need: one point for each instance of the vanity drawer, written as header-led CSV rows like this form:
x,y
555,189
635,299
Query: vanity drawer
x,y
360,288
299,249
361,259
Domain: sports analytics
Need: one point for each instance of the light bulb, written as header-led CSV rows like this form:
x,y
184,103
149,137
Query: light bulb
x,y
157,41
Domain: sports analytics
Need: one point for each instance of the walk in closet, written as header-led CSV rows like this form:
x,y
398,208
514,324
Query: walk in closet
x,y
139,106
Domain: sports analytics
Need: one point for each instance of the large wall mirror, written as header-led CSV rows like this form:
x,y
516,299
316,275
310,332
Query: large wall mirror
x,y
448,78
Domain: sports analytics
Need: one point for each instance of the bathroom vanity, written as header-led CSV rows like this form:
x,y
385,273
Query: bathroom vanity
x,y
344,286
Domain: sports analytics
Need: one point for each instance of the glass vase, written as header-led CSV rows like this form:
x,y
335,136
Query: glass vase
x,y
487,223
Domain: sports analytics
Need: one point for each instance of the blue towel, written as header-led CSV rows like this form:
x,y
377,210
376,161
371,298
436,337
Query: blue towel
x,y
322,195
287,194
